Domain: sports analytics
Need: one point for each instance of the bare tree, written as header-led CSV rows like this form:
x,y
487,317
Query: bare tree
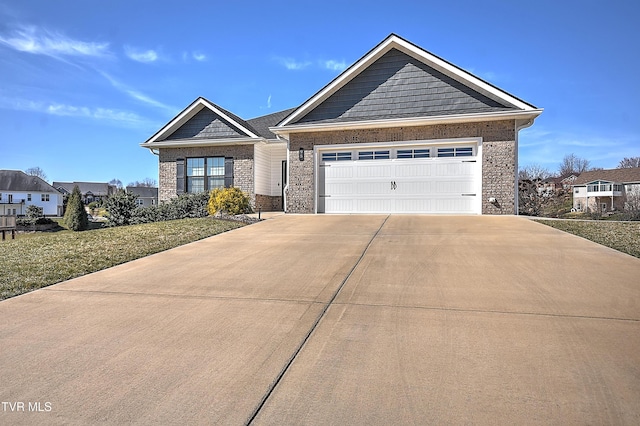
x,y
533,172
116,182
628,163
36,171
571,163
146,182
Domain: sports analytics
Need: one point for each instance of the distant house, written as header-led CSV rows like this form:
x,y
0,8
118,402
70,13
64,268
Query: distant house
x,y
147,196
91,191
605,190
19,190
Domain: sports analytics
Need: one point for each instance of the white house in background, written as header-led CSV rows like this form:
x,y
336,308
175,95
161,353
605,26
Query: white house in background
x,y
605,190
18,190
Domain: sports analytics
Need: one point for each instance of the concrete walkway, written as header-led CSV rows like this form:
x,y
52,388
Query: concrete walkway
x,y
336,320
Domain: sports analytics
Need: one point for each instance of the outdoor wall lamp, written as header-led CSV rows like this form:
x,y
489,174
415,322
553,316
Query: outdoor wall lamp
x,y
301,154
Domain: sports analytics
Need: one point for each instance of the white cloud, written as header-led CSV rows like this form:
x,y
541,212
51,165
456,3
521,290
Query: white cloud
x,y
334,65
40,41
269,102
144,56
65,110
139,96
200,57
292,64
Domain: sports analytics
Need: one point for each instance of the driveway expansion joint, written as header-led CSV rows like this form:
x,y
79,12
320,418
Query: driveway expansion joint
x,y
275,383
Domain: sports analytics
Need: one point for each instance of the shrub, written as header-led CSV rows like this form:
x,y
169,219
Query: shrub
x,y
229,200
75,217
34,212
120,206
182,207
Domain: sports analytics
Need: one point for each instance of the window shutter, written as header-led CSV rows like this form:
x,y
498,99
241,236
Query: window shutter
x,y
228,172
180,176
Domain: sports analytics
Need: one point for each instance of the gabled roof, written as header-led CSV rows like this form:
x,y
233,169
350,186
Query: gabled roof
x,y
203,120
95,188
629,175
18,181
205,123
400,83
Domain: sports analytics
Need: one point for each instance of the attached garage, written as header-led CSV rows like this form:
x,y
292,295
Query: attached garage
x,y
440,178
404,131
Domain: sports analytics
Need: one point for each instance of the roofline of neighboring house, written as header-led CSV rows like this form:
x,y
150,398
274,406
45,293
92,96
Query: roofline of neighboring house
x,y
411,121
186,114
394,41
624,182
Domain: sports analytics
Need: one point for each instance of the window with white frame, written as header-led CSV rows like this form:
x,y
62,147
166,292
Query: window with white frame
x,y
336,156
28,197
462,151
374,155
205,174
413,153
44,197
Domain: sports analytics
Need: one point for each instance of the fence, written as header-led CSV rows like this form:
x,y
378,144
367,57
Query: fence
x,y
8,223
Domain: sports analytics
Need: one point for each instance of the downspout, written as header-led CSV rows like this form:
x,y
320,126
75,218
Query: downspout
x,y
286,187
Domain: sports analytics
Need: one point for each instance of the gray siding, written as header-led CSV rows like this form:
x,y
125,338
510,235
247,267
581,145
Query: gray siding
x,y
399,86
206,124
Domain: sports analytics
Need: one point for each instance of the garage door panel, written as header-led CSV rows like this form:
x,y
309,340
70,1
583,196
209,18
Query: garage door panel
x,y
418,185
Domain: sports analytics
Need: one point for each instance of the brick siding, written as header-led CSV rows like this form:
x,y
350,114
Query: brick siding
x,y
242,167
498,158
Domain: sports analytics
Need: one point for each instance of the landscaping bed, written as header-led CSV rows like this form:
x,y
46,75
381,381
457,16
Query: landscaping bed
x,y
37,260
622,236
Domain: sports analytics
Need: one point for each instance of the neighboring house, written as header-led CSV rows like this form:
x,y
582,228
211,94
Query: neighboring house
x,y
19,190
91,191
605,190
146,196
400,130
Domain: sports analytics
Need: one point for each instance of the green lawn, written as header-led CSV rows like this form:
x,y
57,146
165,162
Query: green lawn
x,y
32,261
622,236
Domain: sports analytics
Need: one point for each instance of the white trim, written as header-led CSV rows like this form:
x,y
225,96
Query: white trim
x,y
404,122
393,41
186,143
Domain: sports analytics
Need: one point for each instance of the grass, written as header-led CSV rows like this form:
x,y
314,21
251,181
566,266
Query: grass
x,y
622,236
37,260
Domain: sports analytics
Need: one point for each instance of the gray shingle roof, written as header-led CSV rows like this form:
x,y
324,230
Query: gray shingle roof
x,y
18,181
400,86
96,188
630,175
143,191
262,124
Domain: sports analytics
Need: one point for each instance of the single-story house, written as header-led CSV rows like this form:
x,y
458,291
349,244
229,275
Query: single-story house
x,y
19,190
401,130
91,191
147,196
605,190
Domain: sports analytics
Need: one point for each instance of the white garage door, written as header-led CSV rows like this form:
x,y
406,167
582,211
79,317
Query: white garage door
x,y
436,180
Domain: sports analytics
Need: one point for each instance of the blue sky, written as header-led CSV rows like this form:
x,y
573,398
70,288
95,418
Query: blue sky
x,y
84,82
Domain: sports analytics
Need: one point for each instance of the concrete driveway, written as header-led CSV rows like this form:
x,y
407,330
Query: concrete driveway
x,y
336,320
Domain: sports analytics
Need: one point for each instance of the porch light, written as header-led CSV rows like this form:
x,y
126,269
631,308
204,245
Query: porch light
x,y
301,154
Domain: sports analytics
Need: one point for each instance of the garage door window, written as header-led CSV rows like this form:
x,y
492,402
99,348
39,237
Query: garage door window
x,y
466,151
373,155
413,153
336,156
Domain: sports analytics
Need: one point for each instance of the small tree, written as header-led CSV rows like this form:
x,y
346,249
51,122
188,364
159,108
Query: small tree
x,y
120,207
75,217
228,200
36,171
628,163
